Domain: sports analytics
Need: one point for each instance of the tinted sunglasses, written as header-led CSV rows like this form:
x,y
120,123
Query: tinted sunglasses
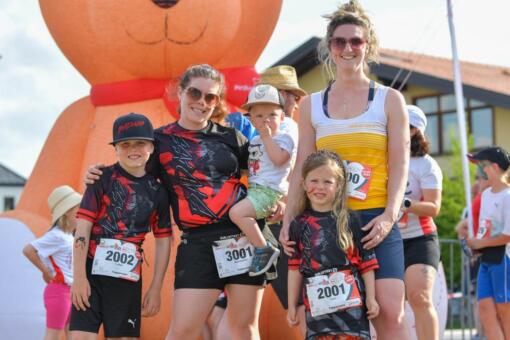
x,y
340,43
211,99
480,170
297,97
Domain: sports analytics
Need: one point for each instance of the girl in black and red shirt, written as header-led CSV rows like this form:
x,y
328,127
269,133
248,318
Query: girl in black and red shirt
x,y
329,262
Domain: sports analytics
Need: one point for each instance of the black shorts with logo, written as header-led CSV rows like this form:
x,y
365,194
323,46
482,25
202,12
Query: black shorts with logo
x,y
422,250
195,266
115,303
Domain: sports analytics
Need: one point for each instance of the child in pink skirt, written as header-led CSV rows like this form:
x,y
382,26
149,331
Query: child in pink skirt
x,y
52,255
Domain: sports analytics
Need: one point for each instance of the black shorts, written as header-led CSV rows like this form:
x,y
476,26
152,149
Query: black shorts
x,y
422,250
114,302
195,266
280,283
222,301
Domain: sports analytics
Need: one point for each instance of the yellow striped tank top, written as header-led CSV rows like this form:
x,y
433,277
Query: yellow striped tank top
x,y
362,143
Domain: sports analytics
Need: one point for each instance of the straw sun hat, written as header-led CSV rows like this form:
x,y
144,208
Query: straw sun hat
x,y
61,200
282,77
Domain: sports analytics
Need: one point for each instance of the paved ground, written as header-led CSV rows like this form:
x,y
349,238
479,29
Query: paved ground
x,y
459,335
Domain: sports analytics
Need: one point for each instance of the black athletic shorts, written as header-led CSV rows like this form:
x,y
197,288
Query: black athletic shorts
x,y
115,303
280,283
195,266
422,250
222,301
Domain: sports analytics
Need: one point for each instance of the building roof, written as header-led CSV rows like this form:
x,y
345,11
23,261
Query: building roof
x,y
10,178
486,83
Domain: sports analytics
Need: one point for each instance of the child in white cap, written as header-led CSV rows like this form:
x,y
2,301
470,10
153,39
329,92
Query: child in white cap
x,y
269,167
52,255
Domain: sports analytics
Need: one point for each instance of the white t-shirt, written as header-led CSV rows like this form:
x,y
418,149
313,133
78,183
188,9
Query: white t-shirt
x,y
59,245
424,173
289,125
495,215
263,171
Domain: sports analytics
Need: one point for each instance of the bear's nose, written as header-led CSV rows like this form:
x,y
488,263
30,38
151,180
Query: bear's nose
x,y
165,3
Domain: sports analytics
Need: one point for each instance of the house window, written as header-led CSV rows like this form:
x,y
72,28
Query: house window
x,y
442,121
8,203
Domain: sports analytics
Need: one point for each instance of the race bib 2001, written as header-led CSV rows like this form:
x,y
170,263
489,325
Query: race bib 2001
x,y
117,258
332,292
358,180
233,255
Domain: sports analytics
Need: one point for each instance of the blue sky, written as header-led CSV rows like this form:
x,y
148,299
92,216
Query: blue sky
x,y
37,83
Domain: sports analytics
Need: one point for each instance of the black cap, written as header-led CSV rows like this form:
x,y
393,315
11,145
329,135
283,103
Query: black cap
x,y
493,154
132,126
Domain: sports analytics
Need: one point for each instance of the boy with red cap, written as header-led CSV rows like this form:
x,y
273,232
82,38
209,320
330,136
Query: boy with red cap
x,y
116,213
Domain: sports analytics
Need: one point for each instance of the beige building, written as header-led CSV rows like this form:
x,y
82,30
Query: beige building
x,y
427,82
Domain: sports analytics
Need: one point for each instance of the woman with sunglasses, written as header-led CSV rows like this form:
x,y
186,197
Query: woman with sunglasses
x,y
421,204
200,163
366,124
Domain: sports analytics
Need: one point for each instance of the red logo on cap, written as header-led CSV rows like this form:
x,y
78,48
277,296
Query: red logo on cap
x,y
128,125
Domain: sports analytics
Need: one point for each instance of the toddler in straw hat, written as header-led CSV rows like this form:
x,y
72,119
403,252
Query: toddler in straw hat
x,y
52,255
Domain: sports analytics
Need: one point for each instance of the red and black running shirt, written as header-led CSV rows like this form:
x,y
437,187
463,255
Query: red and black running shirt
x,y
201,169
125,207
317,248
317,251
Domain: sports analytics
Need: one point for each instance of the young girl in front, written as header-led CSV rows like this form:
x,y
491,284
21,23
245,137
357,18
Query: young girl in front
x,y
52,255
329,263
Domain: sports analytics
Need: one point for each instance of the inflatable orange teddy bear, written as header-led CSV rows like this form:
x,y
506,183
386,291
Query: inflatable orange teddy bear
x,y
128,51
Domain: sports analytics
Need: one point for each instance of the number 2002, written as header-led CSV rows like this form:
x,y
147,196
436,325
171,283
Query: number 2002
x,y
123,258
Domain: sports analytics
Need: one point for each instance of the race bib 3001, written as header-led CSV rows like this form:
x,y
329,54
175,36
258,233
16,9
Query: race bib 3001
x,y
233,255
358,180
117,258
332,292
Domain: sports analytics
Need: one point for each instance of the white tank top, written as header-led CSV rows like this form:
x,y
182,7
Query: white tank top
x,y
362,142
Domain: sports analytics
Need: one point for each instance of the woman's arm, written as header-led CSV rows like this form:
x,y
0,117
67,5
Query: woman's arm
x,y
306,146
398,166
398,151
429,206
31,254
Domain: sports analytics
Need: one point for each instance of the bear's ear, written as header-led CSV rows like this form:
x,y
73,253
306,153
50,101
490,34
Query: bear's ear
x,y
258,20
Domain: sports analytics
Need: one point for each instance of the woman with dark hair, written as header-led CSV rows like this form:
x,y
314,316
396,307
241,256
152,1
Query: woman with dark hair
x,y
421,204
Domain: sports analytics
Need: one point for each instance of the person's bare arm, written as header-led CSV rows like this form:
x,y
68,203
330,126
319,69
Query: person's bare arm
x,y
152,299
276,154
398,166
294,283
495,241
371,302
430,205
306,146
80,290
31,254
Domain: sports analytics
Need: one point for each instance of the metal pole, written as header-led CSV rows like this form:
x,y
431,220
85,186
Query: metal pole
x,y
461,117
